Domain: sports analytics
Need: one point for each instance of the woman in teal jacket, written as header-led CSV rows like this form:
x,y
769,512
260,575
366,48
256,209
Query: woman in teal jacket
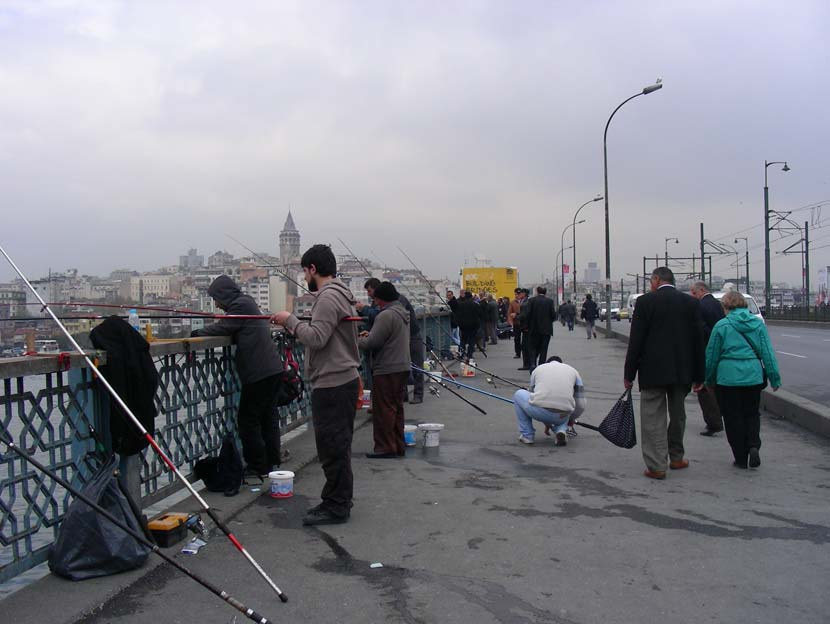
x,y
737,346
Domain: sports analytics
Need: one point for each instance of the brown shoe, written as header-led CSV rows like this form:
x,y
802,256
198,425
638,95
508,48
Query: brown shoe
x,y
679,464
655,474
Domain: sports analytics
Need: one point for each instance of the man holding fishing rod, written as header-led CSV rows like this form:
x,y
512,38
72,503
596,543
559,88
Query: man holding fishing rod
x,y
258,365
332,364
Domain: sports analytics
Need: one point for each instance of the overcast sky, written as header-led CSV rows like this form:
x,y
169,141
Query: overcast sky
x,y
131,131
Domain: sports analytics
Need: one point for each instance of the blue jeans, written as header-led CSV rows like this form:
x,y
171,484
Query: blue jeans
x,y
527,413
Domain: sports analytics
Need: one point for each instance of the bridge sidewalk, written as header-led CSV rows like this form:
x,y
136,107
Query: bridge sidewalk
x,y
486,530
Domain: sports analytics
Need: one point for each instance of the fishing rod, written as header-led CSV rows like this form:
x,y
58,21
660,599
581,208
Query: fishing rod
x,y
447,388
424,277
440,381
151,441
458,358
461,385
236,604
269,266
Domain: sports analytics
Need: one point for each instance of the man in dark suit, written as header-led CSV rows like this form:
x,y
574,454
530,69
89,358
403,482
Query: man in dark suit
x,y
711,311
541,313
665,352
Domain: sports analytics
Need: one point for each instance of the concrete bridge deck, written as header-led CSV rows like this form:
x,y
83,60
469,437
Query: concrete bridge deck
x,y
486,530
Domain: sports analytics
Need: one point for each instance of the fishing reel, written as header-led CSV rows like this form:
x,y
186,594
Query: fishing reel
x,y
435,391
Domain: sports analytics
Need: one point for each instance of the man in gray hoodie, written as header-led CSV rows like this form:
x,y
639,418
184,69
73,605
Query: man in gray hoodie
x,y
388,341
258,364
332,360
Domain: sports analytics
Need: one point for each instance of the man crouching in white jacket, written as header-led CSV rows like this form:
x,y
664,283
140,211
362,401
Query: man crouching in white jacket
x,y
556,398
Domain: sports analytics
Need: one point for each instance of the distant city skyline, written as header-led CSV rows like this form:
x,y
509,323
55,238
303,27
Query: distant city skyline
x,y
133,131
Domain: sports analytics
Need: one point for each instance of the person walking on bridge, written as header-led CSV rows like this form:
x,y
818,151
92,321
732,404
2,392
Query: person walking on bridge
x,y
665,353
738,357
589,314
541,313
711,311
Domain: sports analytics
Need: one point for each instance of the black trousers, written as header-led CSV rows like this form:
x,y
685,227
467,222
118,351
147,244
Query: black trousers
x,y
259,424
417,355
739,406
517,339
538,349
332,414
468,341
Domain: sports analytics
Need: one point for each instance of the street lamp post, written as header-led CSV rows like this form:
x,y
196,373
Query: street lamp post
x,y
745,239
766,230
676,241
649,89
573,268
562,250
559,253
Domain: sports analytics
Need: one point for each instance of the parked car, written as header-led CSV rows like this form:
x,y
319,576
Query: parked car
x,y
615,314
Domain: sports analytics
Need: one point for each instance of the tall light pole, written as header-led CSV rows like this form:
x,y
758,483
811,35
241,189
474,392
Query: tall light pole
x,y
649,89
786,167
745,239
562,250
676,241
573,268
559,253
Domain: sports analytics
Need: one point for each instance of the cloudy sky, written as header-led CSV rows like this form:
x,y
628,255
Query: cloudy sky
x,y
131,131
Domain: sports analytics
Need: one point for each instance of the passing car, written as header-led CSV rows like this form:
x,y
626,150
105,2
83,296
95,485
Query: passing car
x,y
615,314
751,304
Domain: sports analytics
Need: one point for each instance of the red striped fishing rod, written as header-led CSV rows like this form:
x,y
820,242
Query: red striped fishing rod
x,y
137,423
178,312
250,613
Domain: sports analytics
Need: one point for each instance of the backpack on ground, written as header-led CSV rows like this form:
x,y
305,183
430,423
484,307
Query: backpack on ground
x,y
223,473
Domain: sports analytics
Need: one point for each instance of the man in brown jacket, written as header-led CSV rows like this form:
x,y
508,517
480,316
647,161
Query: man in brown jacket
x,y
332,360
513,318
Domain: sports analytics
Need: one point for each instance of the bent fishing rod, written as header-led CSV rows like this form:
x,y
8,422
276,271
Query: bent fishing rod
x,y
139,537
151,441
440,381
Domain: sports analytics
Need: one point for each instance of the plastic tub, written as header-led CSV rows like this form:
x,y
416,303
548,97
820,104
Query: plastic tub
x,y
282,483
432,433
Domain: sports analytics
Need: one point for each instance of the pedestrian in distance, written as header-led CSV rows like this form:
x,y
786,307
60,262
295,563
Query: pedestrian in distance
x,y
739,361
589,314
513,318
556,398
571,314
453,303
388,341
492,319
258,365
541,313
665,353
711,311
332,362
468,317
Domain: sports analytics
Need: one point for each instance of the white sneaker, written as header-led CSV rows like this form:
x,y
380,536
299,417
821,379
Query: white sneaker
x,y
525,440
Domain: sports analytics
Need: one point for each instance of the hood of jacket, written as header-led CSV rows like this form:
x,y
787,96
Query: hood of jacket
x,y
744,321
224,290
340,287
397,308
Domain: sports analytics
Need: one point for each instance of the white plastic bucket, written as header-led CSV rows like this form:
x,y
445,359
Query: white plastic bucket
x,y
409,434
282,483
432,433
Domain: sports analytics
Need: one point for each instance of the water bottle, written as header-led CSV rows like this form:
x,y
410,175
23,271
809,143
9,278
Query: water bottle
x,y
133,320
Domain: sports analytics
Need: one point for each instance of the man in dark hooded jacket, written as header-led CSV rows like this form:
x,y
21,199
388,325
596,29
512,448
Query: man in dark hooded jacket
x,y
258,365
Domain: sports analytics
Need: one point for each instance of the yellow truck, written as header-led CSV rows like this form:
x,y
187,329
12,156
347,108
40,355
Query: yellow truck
x,y
498,281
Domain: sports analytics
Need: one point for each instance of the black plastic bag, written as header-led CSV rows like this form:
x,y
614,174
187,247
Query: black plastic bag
x,y
618,427
88,544
223,473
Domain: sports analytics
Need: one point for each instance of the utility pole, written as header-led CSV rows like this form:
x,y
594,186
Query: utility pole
x,y
702,256
806,267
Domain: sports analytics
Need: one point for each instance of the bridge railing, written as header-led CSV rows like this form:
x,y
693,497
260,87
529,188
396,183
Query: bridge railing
x,y
819,314
53,408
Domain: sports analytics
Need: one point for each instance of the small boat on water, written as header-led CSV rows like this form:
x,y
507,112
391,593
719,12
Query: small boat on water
x,y
47,346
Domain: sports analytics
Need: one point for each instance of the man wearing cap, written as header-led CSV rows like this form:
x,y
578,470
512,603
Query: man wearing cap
x,y
388,341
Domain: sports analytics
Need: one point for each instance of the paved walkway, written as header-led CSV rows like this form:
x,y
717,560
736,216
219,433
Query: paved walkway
x,y
486,530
